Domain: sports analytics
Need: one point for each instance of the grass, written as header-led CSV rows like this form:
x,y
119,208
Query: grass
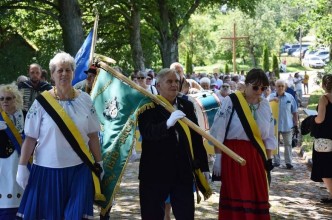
x,y
307,140
314,98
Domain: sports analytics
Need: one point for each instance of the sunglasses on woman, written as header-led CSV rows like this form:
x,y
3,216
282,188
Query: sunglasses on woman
x,y
8,98
140,77
256,88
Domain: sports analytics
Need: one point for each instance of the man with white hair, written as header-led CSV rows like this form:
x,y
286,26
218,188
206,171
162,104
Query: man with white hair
x,y
287,121
205,83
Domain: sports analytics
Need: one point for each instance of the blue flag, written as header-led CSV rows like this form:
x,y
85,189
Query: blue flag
x,y
117,106
82,59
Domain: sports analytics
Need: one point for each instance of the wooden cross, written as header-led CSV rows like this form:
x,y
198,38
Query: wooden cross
x,y
234,38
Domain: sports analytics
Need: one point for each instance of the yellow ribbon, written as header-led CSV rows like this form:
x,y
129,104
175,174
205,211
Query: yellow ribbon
x,y
78,136
198,172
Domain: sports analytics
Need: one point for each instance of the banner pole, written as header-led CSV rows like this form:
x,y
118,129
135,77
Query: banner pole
x,y
191,124
94,39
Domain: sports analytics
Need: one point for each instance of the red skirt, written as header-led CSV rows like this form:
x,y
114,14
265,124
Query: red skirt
x,y
244,189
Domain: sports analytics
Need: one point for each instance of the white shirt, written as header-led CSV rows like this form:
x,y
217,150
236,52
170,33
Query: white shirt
x,y
264,120
152,89
298,83
53,150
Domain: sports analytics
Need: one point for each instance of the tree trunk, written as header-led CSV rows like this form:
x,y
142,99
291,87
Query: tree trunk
x,y
168,44
252,55
135,38
71,23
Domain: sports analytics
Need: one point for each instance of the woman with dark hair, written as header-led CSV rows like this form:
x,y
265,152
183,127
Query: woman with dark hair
x,y
322,161
244,123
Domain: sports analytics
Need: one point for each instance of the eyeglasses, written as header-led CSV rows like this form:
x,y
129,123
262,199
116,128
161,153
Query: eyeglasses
x,y
148,78
281,86
225,86
140,77
8,98
256,88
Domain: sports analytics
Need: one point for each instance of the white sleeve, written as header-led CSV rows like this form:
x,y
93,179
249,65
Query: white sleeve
x,y
94,125
269,139
221,119
33,120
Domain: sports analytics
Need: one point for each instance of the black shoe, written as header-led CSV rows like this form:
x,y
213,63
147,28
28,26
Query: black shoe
x,y
276,164
326,200
289,166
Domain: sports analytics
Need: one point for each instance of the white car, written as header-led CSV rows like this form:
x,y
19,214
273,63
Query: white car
x,y
313,61
323,54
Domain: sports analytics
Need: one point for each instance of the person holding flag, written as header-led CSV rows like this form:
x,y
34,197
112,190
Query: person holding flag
x,y
170,153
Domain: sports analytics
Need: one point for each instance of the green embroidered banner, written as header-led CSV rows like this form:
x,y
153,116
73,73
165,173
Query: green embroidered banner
x,y
116,105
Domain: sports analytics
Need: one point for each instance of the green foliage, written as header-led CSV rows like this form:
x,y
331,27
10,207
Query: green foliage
x,y
226,68
189,64
14,63
266,62
275,66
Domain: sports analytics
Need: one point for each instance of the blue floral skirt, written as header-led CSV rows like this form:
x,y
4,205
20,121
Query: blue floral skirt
x,y
58,193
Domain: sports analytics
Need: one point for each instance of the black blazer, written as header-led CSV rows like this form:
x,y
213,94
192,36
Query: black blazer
x,y
165,158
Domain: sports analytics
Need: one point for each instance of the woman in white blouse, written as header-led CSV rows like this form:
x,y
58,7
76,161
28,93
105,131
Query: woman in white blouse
x,y
60,185
244,190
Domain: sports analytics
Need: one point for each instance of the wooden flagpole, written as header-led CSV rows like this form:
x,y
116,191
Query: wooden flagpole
x,y
192,125
94,39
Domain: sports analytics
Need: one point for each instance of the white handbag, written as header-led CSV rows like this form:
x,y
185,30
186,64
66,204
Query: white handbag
x,y
323,145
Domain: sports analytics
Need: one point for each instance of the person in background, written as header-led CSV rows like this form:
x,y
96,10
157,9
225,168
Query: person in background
x,y
11,122
241,86
166,165
21,78
33,87
240,116
298,87
151,74
44,76
322,161
141,79
219,82
287,122
205,83
86,85
60,185
224,91
193,86
290,81
305,83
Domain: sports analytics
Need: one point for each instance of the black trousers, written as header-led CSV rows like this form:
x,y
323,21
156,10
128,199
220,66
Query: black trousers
x,y
153,196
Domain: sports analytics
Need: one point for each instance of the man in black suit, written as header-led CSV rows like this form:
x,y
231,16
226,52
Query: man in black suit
x,y
166,165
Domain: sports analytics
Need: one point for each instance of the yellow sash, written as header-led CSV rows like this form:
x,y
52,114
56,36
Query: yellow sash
x,y
252,122
77,134
198,172
12,127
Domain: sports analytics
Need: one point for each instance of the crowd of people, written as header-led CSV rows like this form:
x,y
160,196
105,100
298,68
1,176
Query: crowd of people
x,y
50,158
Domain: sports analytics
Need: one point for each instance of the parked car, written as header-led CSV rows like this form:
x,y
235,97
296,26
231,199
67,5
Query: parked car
x,y
323,54
296,53
296,47
313,62
309,53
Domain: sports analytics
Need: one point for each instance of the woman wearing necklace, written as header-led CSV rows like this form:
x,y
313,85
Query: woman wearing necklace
x,y
244,123
60,184
11,135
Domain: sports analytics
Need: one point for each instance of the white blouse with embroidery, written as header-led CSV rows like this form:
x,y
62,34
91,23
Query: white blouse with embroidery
x,y
236,131
53,150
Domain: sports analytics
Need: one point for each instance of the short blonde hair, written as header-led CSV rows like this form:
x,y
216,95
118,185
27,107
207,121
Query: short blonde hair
x,y
12,88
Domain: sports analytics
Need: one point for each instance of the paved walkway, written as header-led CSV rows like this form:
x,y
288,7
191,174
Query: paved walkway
x,y
292,194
